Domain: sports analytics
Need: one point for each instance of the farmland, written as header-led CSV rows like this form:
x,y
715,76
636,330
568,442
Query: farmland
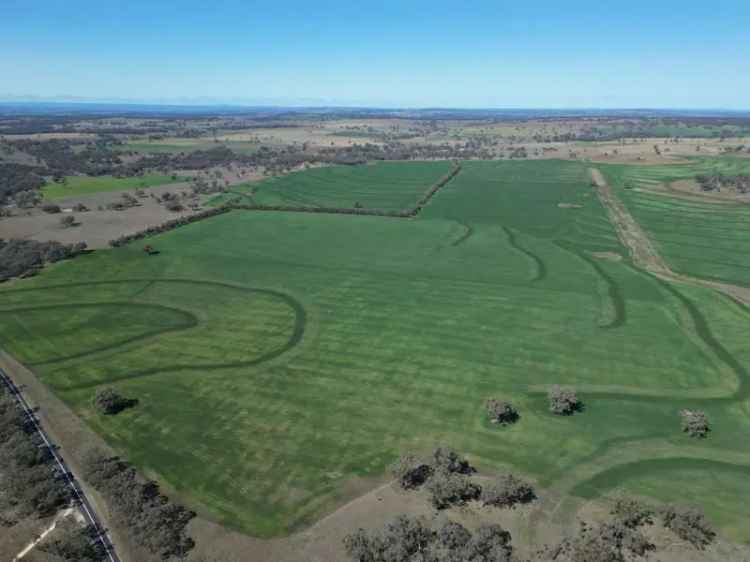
x,y
298,339
85,185
697,237
383,185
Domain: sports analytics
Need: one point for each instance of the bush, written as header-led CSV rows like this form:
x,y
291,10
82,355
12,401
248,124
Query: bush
x,y
67,221
695,423
174,206
80,208
110,403
501,412
508,491
51,208
563,401
689,524
410,472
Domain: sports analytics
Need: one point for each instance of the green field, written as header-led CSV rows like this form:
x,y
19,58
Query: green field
x,y
179,145
76,186
696,237
277,357
390,186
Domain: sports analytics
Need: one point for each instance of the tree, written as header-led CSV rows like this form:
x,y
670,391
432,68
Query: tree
x,y
501,412
563,401
451,488
410,472
109,402
695,423
448,460
689,524
508,491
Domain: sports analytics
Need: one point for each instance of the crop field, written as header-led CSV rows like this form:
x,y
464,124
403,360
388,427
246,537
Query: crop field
x,y
283,360
173,145
86,185
390,186
695,237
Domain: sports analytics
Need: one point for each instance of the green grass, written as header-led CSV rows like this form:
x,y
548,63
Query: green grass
x,y
383,185
278,355
697,238
87,185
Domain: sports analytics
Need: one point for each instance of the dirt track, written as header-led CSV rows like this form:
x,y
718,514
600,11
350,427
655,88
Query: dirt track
x,y
644,253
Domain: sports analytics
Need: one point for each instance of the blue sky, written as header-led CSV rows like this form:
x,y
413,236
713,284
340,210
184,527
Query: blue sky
x,y
542,53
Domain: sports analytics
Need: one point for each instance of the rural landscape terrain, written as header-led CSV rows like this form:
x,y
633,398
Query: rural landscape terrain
x,y
332,335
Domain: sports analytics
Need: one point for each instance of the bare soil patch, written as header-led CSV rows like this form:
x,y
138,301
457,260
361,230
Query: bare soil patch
x,y
611,256
570,206
691,188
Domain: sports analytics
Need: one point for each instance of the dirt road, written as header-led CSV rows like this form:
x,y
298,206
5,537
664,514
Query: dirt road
x,y
642,250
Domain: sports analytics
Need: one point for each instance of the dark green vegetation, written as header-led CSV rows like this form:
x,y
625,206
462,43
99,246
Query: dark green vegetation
x,y
390,186
277,355
699,238
27,484
138,506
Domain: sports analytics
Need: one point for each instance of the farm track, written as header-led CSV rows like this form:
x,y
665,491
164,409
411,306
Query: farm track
x,y
540,269
642,250
294,339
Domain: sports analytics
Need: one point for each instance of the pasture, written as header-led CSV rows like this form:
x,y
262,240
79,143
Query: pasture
x,y
75,186
283,360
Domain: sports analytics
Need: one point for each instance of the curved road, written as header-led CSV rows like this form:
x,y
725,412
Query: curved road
x,y
78,495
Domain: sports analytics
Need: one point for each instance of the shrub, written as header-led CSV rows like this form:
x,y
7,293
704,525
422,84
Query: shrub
x,y
508,491
695,423
174,206
80,208
410,472
689,524
110,403
51,208
67,221
501,412
563,401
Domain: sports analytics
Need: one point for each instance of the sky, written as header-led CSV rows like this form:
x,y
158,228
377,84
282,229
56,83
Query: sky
x,y
458,54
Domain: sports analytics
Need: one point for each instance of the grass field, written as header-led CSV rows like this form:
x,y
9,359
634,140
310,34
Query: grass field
x,y
87,185
388,186
695,237
281,358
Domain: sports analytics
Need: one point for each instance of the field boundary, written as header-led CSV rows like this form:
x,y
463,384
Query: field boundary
x,y
408,213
